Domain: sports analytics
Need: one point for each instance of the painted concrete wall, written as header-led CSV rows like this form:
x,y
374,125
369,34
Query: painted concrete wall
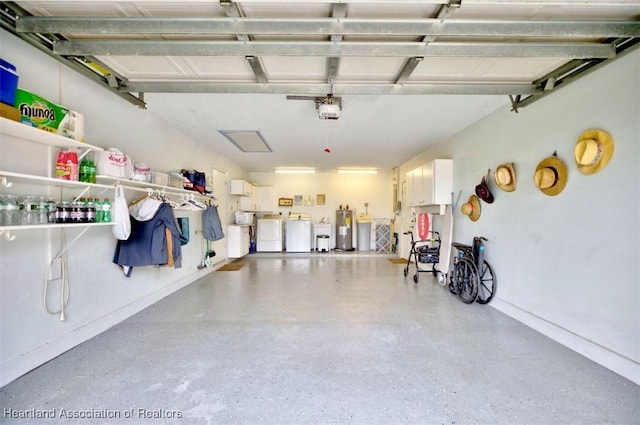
x,y
340,189
353,190
566,265
100,295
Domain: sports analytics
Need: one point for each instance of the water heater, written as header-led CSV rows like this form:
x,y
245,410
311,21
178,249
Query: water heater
x,y
344,230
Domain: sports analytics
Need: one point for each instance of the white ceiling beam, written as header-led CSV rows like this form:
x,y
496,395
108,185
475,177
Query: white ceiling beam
x,y
321,89
361,49
327,27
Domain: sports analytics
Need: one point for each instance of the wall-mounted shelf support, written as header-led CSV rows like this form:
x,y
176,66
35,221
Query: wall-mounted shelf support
x,y
7,235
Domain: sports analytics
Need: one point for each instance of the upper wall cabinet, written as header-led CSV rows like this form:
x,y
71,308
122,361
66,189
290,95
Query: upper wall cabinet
x,y
264,198
430,184
240,187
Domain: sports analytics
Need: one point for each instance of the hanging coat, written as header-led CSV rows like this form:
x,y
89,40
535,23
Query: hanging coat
x,y
152,242
211,226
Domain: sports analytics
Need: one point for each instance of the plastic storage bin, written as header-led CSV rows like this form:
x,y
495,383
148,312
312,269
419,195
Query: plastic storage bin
x,y
8,83
243,217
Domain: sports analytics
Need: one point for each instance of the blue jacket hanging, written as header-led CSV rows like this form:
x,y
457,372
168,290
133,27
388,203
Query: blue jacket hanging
x,y
211,226
149,244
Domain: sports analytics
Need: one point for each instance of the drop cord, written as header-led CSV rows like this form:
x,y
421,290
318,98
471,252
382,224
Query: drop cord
x,y
64,281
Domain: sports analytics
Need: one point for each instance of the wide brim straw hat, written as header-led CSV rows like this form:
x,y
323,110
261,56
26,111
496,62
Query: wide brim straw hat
x,y
505,177
551,175
471,208
593,151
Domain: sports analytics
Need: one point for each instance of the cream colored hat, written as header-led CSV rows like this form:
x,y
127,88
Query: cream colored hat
x,y
593,151
471,208
505,177
551,175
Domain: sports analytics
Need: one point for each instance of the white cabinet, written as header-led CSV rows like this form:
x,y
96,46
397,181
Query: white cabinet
x,y
415,188
430,184
264,198
237,241
261,199
240,187
248,203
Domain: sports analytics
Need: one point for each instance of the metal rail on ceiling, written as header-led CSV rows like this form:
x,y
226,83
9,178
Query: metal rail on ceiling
x,y
609,39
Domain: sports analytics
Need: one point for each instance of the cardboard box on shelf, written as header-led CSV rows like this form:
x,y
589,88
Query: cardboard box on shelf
x,y
9,112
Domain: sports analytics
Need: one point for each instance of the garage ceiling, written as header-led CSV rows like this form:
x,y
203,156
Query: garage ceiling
x,y
408,73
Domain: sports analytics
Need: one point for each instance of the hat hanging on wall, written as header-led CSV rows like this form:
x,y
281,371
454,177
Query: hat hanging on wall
x,y
505,177
483,191
471,208
551,175
593,151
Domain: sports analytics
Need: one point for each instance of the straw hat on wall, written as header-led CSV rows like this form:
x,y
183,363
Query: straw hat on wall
x,y
593,151
551,175
505,177
471,208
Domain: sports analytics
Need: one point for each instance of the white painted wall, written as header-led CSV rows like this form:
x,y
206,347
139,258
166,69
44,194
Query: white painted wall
x,y
340,189
568,265
100,295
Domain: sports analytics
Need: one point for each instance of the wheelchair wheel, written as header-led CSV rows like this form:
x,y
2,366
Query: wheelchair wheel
x,y
465,280
487,286
451,278
415,278
406,271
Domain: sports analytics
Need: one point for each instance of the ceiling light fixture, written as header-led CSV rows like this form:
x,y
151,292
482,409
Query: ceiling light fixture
x,y
295,171
357,171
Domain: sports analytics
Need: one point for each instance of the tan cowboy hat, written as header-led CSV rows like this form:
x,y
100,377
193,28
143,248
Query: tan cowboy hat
x,y
471,208
551,175
505,177
593,151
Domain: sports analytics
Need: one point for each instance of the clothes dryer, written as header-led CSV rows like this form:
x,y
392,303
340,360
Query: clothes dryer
x,y
270,234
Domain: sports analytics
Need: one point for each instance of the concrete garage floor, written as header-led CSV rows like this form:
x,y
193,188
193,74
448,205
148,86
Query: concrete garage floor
x,y
322,340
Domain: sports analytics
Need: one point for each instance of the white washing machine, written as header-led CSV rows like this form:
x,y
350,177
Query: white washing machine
x,y
270,234
298,233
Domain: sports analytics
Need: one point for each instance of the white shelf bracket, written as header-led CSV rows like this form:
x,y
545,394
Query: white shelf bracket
x,y
61,253
7,235
82,193
83,154
5,182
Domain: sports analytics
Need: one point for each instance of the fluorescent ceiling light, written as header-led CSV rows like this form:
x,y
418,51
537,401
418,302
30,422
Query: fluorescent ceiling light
x,y
357,171
249,141
295,171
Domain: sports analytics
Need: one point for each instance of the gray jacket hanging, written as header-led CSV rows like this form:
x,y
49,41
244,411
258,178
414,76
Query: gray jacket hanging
x,y
211,226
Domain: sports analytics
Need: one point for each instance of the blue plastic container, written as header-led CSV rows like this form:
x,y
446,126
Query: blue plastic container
x,y
8,83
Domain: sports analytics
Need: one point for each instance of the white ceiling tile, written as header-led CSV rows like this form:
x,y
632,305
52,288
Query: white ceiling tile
x,y
220,67
142,67
369,69
295,68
